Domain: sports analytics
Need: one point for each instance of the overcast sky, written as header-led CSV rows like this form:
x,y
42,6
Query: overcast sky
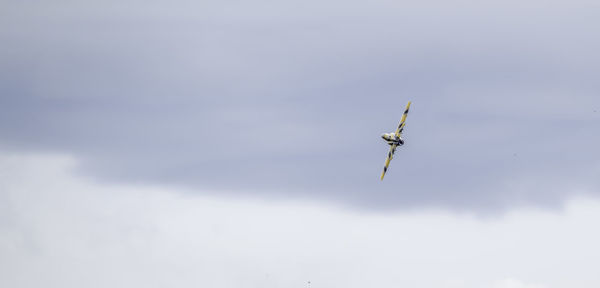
x,y
288,99
58,230
237,143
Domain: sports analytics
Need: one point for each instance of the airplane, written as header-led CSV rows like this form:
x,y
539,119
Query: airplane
x,y
394,140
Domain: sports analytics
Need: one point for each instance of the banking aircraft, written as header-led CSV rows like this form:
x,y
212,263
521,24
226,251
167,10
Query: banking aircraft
x,y
394,140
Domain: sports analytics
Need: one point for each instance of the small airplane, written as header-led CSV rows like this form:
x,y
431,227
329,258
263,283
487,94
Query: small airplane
x,y
394,140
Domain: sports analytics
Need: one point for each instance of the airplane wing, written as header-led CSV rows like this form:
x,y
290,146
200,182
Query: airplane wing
x,y
401,125
388,159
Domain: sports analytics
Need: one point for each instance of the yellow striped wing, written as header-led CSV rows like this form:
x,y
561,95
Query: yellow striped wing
x,y
388,159
402,120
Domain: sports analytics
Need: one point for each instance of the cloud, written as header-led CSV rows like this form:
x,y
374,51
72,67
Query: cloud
x,y
289,99
60,230
513,283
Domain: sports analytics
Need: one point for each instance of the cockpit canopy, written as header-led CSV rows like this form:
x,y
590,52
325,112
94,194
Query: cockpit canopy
x,y
388,136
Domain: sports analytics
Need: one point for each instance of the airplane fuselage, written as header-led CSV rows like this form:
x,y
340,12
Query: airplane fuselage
x,y
392,139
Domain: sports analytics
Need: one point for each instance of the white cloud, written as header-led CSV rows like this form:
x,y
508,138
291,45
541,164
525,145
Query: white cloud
x,y
513,283
58,230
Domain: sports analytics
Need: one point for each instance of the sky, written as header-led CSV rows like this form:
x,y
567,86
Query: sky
x,y
289,99
59,230
131,131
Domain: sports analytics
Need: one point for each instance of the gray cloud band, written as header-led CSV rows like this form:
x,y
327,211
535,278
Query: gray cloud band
x,y
290,102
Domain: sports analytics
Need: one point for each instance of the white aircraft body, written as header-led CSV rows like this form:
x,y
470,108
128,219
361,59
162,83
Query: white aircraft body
x,y
394,139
